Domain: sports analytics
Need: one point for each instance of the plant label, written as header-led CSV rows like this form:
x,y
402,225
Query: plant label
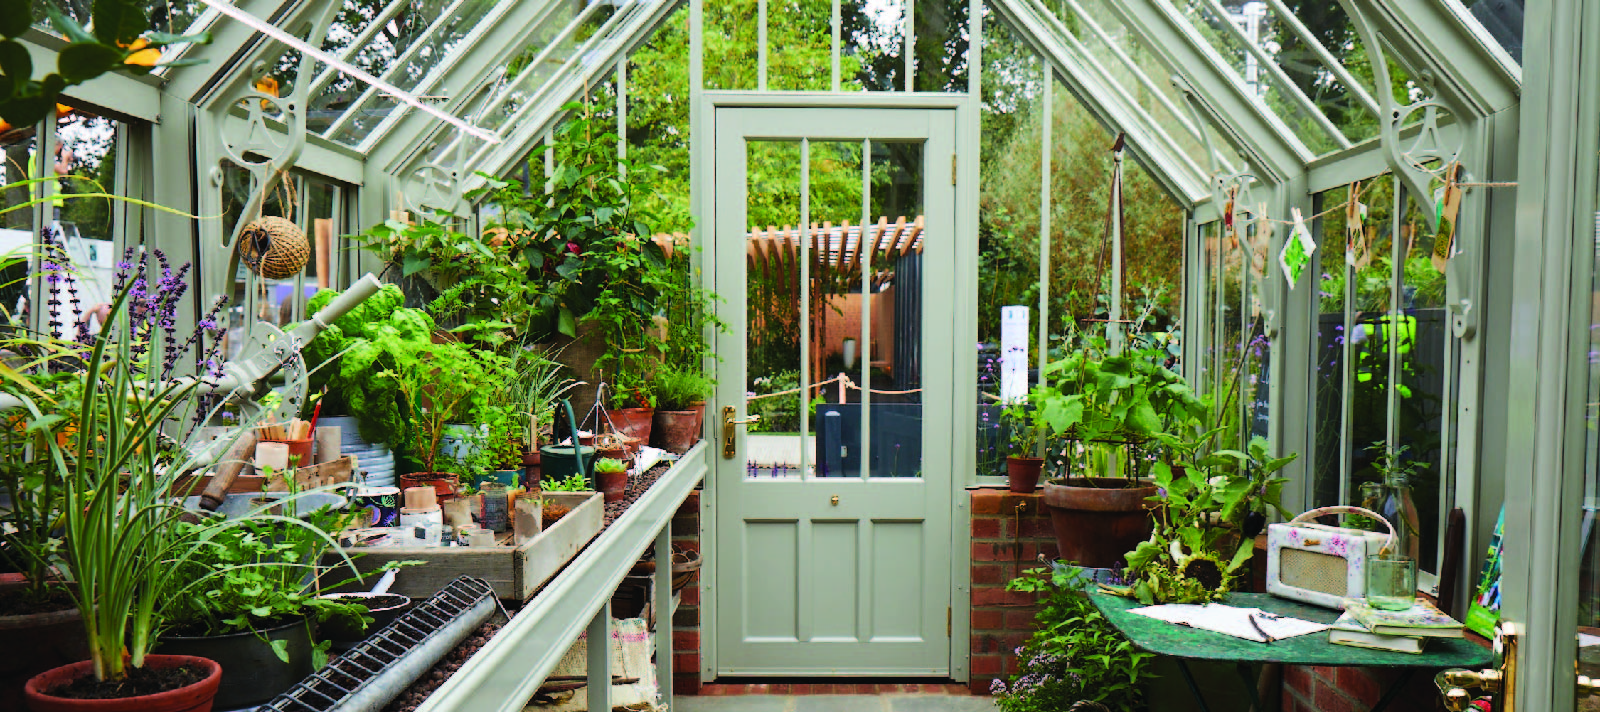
x,y
1296,253
1013,354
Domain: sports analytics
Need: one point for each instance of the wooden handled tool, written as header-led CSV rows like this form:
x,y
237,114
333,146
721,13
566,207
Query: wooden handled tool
x,y
231,464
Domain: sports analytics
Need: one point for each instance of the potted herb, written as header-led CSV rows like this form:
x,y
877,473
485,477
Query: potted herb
x,y
348,358
633,404
122,540
1110,409
250,603
612,476
1026,435
677,424
435,384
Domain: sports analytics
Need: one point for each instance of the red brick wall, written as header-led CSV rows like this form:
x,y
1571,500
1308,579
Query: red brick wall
x,y
1350,689
686,622
1009,531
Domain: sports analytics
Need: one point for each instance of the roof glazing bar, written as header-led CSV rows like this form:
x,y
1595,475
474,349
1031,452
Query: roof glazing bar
x,y
1344,76
534,100
360,42
399,64
1287,85
1155,90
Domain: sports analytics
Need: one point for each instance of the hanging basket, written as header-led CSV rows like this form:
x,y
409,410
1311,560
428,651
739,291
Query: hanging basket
x,y
274,248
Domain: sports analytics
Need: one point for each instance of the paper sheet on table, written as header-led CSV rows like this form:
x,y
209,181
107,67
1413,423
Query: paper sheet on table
x,y
1229,620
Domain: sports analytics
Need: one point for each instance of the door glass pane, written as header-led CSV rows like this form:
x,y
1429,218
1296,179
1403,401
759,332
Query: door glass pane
x,y
833,312
892,299
774,445
1588,618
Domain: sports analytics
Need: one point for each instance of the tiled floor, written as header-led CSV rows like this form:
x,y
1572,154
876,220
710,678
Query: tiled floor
x,y
899,702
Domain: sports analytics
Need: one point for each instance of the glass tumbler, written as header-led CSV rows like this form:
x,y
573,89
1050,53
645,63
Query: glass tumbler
x,y
1391,582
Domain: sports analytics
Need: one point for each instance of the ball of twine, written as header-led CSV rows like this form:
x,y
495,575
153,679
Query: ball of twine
x,y
274,248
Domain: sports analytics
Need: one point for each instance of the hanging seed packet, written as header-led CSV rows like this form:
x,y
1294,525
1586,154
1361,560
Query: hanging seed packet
x,y
1449,206
1297,250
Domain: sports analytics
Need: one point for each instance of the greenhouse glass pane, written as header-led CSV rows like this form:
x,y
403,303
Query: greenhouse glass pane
x,y
1502,19
1281,98
1137,70
386,31
541,58
408,69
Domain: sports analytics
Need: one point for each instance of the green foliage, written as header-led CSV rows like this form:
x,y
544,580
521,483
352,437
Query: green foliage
x,y
378,335
1074,655
575,483
1204,503
437,384
676,388
259,575
118,43
1093,396
1026,430
609,465
779,414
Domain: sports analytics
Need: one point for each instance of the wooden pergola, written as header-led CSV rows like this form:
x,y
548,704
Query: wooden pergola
x,y
836,252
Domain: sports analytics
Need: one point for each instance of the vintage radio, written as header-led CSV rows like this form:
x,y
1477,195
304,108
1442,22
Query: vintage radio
x,y
1319,564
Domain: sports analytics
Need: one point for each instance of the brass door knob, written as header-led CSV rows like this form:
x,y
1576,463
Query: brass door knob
x,y
834,500
728,422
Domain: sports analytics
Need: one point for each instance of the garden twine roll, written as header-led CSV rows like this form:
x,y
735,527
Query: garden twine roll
x,y
274,247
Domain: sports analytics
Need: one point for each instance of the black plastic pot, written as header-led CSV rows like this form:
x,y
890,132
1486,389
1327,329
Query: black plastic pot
x,y
383,607
251,673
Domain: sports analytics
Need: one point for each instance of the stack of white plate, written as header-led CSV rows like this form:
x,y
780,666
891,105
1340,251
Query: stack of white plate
x,y
374,462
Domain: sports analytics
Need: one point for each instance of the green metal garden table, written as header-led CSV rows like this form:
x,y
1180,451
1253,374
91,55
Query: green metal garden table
x,y
1183,643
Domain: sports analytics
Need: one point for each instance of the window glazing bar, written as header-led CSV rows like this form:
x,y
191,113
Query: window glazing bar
x,y
866,252
1181,117
761,45
1045,144
805,307
360,42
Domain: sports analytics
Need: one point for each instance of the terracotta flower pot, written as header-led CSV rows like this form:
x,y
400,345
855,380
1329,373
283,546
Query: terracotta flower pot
x,y
634,423
443,483
1023,473
1098,520
675,430
531,474
191,698
699,408
613,484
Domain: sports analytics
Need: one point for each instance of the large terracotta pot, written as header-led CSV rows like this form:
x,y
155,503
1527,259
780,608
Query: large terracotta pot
x,y
1098,520
675,430
1022,473
193,698
634,423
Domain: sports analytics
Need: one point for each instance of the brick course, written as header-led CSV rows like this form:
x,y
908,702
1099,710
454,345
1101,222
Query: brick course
x,y
686,624
1009,532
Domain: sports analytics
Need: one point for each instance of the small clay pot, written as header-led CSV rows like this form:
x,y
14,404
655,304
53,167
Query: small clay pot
x,y
1023,473
613,484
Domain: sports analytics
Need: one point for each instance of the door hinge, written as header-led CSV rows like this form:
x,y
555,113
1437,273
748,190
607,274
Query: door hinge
x,y
948,613
952,169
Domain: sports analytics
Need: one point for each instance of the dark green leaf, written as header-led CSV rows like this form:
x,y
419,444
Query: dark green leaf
x,y
280,647
69,27
22,111
118,22
567,324
15,61
81,61
16,16
411,264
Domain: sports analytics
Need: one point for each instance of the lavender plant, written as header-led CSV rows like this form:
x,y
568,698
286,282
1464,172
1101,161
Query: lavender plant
x,y
1074,656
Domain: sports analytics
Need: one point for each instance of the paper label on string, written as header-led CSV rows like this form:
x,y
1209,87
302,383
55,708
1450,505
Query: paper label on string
x,y
1296,253
1448,202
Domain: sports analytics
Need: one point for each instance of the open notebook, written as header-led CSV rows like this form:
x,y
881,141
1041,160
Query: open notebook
x,y
1229,620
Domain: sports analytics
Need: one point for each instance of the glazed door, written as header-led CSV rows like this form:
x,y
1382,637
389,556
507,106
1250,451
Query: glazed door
x,y
834,253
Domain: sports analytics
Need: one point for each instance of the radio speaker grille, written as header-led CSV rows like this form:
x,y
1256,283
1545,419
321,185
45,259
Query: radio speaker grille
x,y
1313,571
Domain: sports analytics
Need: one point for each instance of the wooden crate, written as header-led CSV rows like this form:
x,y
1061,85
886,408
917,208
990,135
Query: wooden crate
x,y
515,572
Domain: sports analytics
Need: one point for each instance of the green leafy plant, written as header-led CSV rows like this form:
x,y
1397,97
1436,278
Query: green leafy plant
x,y
437,386
1026,430
119,42
377,336
574,483
1075,654
677,388
1201,538
258,575
610,465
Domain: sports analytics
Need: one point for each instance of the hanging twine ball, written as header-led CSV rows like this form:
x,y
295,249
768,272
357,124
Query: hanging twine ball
x,y
274,248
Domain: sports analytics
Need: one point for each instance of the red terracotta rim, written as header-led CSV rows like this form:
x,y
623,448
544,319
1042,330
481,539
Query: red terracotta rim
x,y
67,673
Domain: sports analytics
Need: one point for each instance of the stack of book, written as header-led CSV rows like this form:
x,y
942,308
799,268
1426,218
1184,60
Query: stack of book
x,y
1407,631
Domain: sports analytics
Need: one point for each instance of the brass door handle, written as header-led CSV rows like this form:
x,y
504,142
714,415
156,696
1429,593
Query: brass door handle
x,y
728,421
1500,681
